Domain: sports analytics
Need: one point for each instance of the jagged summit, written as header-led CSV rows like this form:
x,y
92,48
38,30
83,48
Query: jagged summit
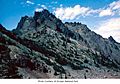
x,y
44,12
77,26
44,44
112,39
39,18
73,23
44,20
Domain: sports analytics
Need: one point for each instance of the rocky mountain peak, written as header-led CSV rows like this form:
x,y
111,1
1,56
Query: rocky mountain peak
x,y
44,44
77,27
43,13
35,21
111,39
21,23
72,23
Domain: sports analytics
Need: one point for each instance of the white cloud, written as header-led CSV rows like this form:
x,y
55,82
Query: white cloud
x,y
30,2
38,9
110,27
71,13
106,12
115,5
61,5
112,9
43,6
92,12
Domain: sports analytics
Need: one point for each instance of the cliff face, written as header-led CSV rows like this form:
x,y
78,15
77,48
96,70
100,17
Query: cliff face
x,y
109,48
43,47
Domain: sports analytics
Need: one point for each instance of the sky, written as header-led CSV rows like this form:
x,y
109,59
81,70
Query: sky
x,y
101,16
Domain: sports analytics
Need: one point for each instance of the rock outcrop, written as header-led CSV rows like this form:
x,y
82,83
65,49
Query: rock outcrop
x,y
43,47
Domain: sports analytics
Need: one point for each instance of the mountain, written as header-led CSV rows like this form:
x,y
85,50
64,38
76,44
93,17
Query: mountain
x,y
107,47
43,46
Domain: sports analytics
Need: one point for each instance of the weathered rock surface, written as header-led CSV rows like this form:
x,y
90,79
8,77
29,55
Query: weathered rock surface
x,y
43,47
